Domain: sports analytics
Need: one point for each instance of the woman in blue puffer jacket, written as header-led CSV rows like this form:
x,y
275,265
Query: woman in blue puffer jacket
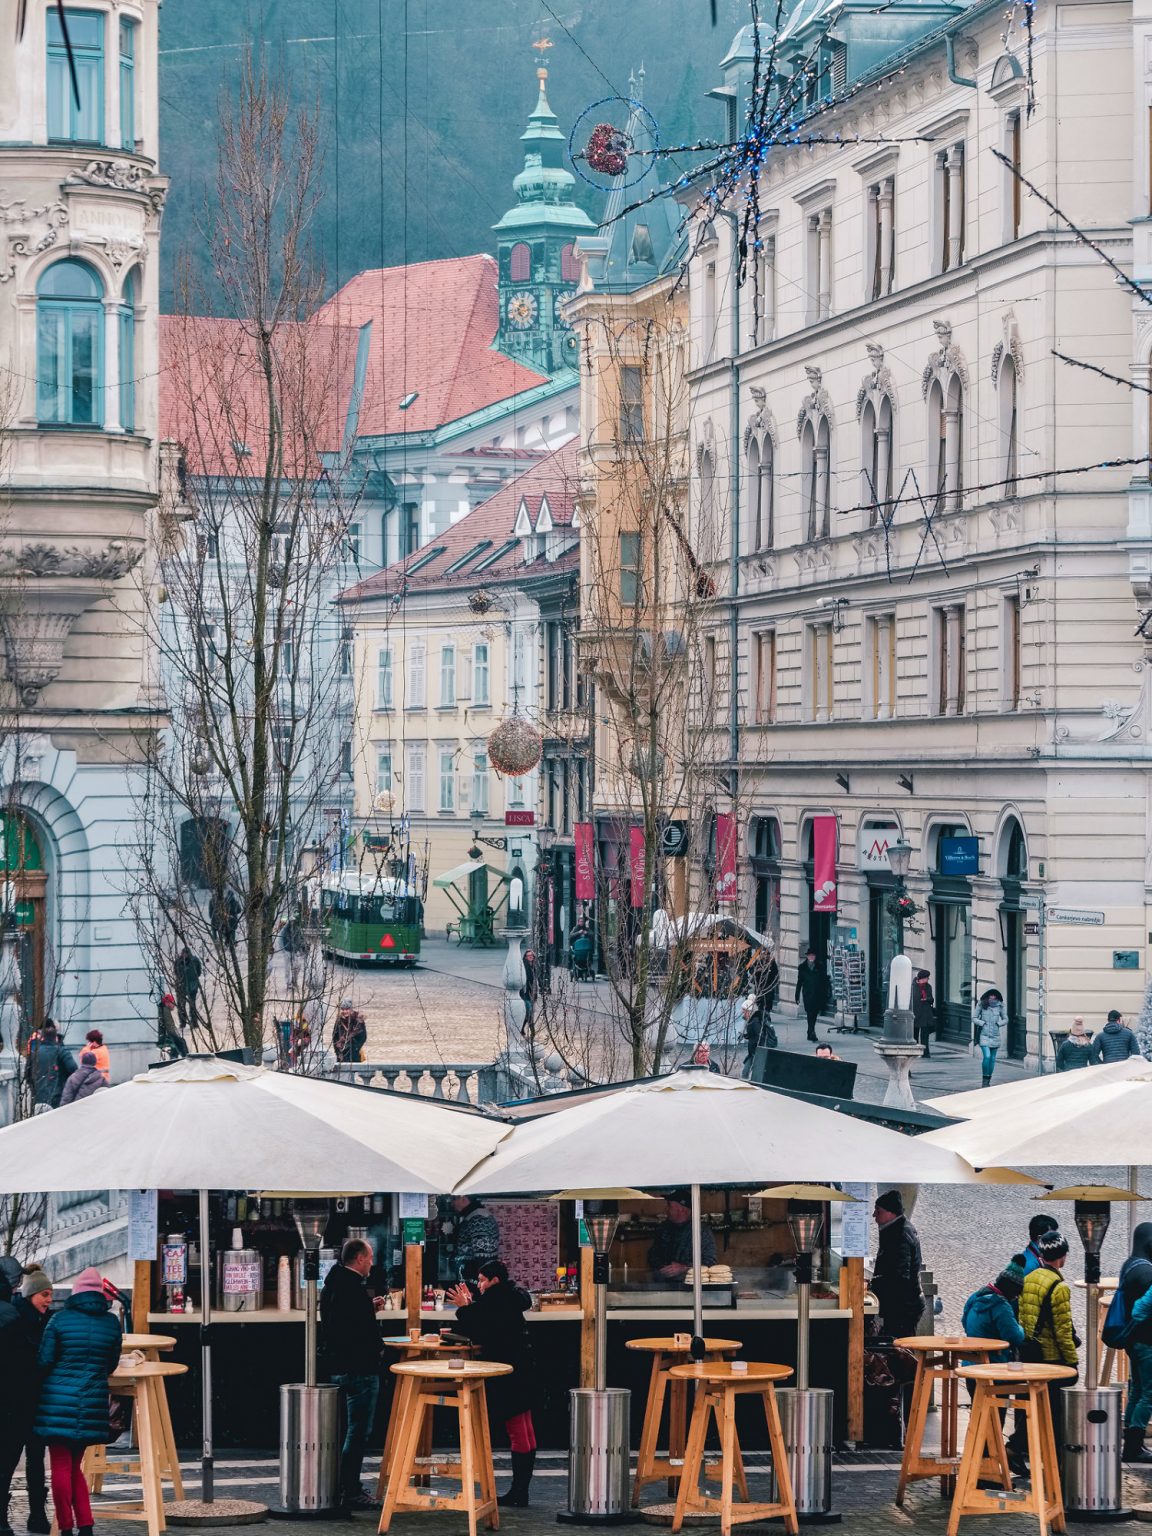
x,y
78,1353
990,1313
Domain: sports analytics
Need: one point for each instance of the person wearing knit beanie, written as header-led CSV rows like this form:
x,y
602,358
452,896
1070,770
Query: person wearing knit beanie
x,y
1010,1281
88,1279
35,1283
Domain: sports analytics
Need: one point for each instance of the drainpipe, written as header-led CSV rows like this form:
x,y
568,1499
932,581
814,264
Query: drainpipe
x,y
950,50
734,502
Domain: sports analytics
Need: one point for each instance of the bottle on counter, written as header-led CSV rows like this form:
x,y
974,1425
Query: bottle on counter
x,y
284,1284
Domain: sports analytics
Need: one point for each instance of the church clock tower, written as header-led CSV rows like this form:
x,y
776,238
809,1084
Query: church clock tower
x,y
535,248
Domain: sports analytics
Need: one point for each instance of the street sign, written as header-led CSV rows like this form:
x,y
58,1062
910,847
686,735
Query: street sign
x,y
1076,916
1032,930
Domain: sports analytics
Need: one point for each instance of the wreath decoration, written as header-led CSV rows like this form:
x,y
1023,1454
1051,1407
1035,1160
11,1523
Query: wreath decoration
x,y
607,150
905,910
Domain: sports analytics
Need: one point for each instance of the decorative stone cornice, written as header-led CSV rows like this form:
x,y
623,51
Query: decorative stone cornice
x,y
30,231
108,562
816,404
123,176
762,423
945,363
878,383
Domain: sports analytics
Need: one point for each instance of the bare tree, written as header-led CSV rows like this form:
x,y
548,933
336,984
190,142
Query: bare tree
x,y
251,657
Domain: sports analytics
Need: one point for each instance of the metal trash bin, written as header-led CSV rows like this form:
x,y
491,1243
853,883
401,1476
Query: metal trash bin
x,y
309,1450
598,1457
806,1419
1093,1435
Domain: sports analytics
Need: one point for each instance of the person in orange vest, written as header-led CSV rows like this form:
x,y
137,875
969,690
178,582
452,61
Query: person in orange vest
x,y
98,1049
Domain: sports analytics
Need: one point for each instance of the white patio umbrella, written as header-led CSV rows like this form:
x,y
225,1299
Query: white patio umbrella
x,y
696,1127
205,1123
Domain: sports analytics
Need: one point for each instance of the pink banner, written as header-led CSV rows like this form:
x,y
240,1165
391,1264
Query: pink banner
x,y
636,852
725,857
824,864
585,861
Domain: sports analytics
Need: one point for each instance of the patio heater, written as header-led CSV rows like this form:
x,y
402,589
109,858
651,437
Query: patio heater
x,y
309,1414
598,1452
806,1412
1093,1415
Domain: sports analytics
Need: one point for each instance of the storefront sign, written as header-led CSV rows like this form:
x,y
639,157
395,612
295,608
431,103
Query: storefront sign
x,y
725,857
824,864
872,846
1125,959
1075,916
141,1224
636,864
585,861
519,818
412,1231
959,855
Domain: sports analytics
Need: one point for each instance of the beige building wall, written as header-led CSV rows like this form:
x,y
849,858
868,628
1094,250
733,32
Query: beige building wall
x,y
1028,705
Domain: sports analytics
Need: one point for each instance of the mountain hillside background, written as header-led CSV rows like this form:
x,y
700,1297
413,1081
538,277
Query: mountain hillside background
x,y
422,105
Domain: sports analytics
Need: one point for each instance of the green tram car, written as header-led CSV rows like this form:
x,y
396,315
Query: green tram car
x,y
371,919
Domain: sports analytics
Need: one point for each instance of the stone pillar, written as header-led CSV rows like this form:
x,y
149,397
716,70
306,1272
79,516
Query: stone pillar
x,y
954,191
880,489
952,620
824,263
111,402
820,510
887,244
951,459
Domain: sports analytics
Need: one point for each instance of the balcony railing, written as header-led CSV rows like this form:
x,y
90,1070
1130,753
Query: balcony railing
x,y
473,1083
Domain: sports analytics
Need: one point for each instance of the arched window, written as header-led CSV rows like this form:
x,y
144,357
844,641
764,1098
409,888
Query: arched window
x,y
70,346
945,443
569,266
1009,422
815,457
876,459
760,492
126,345
520,262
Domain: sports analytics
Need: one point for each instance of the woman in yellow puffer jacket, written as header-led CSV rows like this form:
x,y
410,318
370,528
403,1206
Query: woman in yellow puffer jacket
x,y
1046,1317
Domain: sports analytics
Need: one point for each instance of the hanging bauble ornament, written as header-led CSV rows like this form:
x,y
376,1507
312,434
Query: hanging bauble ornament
x,y
514,747
607,149
615,141
480,601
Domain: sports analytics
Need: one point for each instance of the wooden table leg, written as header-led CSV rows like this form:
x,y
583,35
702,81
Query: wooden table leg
x,y
407,1441
170,1460
395,1424
650,1432
677,1425
786,1493
727,1454
948,1425
149,1480
973,1456
693,1458
484,1455
914,1432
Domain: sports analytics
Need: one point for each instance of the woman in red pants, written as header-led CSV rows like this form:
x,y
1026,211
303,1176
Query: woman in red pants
x,y
78,1353
495,1322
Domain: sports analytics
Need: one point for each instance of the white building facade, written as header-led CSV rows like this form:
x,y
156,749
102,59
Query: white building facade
x,y
80,209
937,567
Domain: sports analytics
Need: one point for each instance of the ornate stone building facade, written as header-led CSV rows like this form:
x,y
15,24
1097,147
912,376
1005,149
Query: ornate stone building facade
x,y
80,209
937,572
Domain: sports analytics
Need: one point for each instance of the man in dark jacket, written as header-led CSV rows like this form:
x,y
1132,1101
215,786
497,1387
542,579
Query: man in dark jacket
x,y
19,1374
1135,1280
84,1082
923,1011
812,986
351,1343
187,972
670,1256
50,1065
896,1277
1115,1042
33,1304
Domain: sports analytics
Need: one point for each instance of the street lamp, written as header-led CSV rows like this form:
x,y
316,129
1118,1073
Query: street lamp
x,y
900,859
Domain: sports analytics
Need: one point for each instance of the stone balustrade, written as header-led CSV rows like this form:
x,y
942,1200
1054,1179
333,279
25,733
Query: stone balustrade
x,y
473,1084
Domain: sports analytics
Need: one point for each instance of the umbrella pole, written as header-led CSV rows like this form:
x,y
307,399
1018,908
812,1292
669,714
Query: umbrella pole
x,y
1133,1175
697,1288
206,1493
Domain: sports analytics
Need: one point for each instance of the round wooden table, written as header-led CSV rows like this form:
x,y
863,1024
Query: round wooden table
x,y
937,1359
665,1352
424,1348
151,1343
1024,1387
97,1463
436,1384
719,1383
144,1383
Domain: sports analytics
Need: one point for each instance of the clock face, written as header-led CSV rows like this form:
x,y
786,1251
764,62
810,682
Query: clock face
x,y
522,310
559,302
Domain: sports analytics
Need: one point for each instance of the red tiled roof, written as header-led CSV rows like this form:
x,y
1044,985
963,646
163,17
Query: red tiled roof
x,y
213,399
490,523
433,323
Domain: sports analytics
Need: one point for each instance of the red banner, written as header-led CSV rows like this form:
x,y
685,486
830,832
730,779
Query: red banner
x,y
585,861
725,857
636,854
824,864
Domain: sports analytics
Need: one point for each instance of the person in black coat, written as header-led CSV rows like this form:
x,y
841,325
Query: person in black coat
x,y
896,1276
33,1306
351,1342
78,1353
495,1322
923,1011
50,1065
812,987
21,1378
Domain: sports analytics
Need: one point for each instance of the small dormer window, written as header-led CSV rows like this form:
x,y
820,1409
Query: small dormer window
x,y
641,251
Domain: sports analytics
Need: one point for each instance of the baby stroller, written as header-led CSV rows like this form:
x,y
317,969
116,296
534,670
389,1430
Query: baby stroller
x,y
581,957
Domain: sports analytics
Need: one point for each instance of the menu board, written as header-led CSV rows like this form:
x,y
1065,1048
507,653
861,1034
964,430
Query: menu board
x,y
854,1219
529,1240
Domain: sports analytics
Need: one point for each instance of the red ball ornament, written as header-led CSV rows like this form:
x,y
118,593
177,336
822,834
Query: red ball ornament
x,y
515,747
607,150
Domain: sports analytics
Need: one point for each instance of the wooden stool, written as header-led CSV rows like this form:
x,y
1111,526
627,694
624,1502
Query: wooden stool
x,y
1025,1388
936,1361
96,1459
145,1383
719,1385
413,1349
651,1467
434,1384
